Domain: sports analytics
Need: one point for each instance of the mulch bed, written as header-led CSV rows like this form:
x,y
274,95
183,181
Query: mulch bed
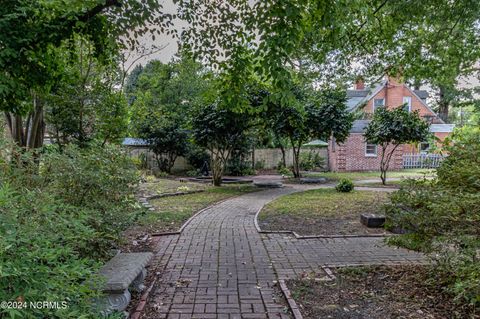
x,y
375,292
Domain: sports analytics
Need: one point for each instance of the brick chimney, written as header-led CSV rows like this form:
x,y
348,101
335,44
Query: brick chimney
x,y
359,84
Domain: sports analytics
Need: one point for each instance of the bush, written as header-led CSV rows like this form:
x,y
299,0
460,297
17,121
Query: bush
x,y
344,186
60,215
237,166
260,164
282,170
197,156
443,217
193,173
310,161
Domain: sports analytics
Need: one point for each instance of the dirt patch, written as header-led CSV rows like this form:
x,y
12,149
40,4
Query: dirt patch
x,y
323,212
346,225
376,292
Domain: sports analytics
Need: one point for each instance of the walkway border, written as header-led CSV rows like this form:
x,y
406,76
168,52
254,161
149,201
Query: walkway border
x,y
291,302
297,236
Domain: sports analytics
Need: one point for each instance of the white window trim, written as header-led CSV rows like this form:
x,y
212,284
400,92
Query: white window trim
x,y
373,105
370,154
408,100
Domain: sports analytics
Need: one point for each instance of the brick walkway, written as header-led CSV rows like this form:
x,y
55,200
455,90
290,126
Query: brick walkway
x,y
221,267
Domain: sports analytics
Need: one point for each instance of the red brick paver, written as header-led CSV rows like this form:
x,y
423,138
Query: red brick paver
x,y
221,267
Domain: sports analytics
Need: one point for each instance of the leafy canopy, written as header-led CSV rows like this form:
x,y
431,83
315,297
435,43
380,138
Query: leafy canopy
x,y
396,126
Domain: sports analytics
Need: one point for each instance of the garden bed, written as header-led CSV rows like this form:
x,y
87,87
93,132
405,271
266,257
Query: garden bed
x,y
323,212
375,292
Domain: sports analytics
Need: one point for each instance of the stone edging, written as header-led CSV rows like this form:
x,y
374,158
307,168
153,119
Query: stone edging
x,y
297,236
291,302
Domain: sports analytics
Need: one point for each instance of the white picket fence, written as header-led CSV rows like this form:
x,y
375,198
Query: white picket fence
x,y
422,160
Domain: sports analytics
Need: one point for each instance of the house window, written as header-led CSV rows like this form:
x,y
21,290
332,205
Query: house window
x,y
407,103
378,103
370,149
424,147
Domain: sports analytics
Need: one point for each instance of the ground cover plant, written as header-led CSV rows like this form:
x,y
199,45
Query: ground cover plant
x,y
322,212
60,216
442,217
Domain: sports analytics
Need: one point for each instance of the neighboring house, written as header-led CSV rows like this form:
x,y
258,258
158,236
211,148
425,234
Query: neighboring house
x,y
357,155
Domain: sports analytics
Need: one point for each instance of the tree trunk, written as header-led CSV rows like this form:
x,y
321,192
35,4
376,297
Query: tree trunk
x,y
443,105
383,171
253,157
284,160
27,132
296,164
217,169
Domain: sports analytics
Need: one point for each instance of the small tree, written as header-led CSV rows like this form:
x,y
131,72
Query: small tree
x,y
167,140
316,114
391,128
220,131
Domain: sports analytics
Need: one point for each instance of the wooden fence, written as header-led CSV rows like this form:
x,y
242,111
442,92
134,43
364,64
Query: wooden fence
x,y
422,160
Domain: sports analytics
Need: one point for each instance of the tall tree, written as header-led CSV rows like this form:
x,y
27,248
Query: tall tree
x,y
315,115
32,33
163,97
220,130
86,105
270,36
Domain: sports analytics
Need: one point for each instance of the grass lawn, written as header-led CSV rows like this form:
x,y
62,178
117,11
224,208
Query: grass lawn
x,y
355,176
172,212
375,292
322,212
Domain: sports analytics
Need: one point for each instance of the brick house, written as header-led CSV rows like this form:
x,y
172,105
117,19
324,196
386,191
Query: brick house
x,y
357,155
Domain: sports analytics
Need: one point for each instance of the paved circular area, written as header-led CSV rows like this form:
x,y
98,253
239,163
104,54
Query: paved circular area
x,y
221,267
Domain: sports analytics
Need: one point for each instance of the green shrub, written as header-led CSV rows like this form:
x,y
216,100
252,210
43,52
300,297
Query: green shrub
x,y
193,173
310,161
282,170
344,186
197,157
60,216
260,164
237,166
442,217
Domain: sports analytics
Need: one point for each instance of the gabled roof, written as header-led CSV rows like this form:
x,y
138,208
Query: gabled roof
x,y
442,128
359,126
421,94
356,98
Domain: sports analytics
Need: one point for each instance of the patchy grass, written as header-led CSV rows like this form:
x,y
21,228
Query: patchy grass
x,y
165,185
355,176
390,184
171,212
322,212
376,292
